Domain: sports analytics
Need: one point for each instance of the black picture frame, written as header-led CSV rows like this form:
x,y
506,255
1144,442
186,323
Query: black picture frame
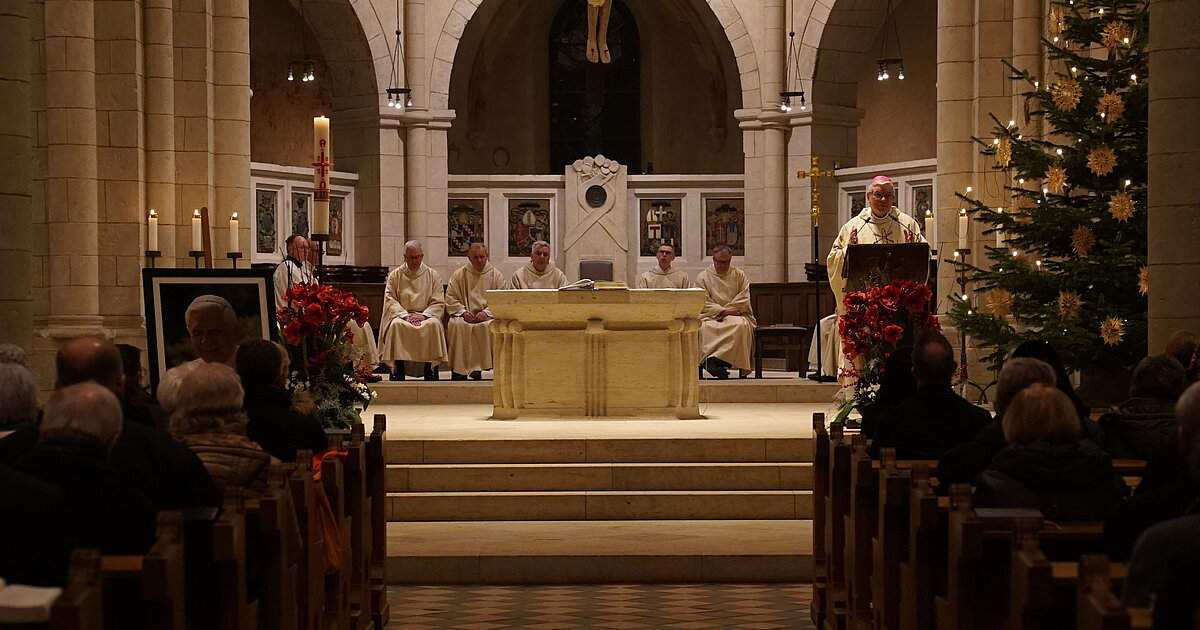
x,y
168,292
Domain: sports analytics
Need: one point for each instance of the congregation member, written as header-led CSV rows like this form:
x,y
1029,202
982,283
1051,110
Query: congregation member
x,y
299,267
896,386
213,329
165,471
75,438
262,366
10,353
1185,346
1043,351
204,407
1048,463
663,275
1145,423
410,327
539,272
963,463
727,321
470,324
18,398
37,529
934,419
137,402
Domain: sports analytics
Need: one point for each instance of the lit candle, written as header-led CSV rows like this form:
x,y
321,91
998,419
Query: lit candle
x,y
322,150
233,233
197,237
152,231
962,228
999,230
928,224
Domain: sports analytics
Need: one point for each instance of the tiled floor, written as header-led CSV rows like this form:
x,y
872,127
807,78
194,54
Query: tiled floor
x,y
615,607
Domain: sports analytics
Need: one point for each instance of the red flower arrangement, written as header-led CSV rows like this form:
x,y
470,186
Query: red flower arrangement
x,y
315,323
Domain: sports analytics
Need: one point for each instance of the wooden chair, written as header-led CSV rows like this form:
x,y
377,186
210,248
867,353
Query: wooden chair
x,y
271,525
837,508
148,590
860,523
820,521
890,544
310,571
922,574
377,488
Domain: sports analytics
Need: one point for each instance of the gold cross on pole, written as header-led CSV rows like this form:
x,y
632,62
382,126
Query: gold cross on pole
x,y
814,173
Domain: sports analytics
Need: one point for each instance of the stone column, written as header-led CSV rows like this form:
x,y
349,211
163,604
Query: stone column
x,y
194,119
159,120
16,255
415,52
1028,25
956,153
231,124
416,168
425,169
1173,152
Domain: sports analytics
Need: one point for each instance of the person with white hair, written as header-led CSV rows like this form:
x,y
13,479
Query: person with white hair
x,y
539,272
470,325
18,398
727,320
213,328
410,327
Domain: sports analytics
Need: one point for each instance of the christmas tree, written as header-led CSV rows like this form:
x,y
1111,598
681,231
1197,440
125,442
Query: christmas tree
x,y
1069,261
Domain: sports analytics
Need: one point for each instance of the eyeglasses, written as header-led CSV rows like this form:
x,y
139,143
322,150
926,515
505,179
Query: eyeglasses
x,y
882,196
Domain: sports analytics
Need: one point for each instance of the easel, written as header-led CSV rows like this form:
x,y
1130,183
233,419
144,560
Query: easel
x,y
814,274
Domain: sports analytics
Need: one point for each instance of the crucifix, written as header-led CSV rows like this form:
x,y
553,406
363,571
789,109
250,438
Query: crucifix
x,y
815,273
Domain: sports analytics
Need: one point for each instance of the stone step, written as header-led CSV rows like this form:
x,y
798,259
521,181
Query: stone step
x,y
598,476
599,450
778,387
581,552
599,505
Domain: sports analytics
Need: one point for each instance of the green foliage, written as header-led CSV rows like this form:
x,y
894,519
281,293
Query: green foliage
x,y
1040,224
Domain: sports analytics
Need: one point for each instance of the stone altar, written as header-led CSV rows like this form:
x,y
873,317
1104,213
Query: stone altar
x,y
628,352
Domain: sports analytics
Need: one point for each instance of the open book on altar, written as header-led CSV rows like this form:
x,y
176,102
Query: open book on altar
x,y
882,264
587,284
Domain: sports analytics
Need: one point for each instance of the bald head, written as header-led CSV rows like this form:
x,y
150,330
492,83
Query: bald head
x,y
89,359
933,359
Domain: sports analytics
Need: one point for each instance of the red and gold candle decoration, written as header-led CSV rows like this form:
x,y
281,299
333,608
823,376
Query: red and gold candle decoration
x,y
324,160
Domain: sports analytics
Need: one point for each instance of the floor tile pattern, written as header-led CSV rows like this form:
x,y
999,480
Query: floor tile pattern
x,y
607,606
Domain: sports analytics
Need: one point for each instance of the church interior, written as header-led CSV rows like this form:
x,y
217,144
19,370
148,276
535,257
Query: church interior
x,y
149,137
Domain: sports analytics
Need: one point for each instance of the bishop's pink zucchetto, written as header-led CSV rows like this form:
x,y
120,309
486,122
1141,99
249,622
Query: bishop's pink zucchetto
x,y
881,179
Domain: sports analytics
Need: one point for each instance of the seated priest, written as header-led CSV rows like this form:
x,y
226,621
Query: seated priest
x,y
470,324
539,272
727,322
663,275
410,327
300,267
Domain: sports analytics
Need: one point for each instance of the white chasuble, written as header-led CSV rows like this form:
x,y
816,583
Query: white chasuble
x,y
409,292
656,278
470,344
528,278
730,338
895,227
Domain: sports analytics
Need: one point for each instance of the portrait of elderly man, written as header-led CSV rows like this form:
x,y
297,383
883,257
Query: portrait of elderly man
x,y
663,275
727,321
539,272
410,327
470,324
213,329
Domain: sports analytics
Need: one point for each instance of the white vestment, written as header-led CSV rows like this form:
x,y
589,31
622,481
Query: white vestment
x,y
528,278
290,272
470,344
730,338
409,292
656,278
895,227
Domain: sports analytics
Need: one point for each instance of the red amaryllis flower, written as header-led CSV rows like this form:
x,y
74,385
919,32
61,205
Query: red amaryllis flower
x,y
893,334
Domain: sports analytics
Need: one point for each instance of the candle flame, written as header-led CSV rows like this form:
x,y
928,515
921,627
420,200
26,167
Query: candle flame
x,y
234,217
196,214
153,213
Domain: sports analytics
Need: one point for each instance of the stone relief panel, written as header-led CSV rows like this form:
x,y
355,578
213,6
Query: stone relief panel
x,y
300,208
725,224
337,225
858,201
661,222
465,225
922,201
528,222
266,207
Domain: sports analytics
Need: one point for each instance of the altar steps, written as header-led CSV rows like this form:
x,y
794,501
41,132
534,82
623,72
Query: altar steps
x,y
775,387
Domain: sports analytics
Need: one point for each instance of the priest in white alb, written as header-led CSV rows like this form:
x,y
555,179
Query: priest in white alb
x,y
470,324
663,275
727,321
410,327
539,272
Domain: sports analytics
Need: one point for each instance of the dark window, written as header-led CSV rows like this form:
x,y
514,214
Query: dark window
x,y
594,107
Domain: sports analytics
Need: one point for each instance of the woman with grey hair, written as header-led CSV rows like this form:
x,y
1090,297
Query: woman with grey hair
x,y
204,407
18,398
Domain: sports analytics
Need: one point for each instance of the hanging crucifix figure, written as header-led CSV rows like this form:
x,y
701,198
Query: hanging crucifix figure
x,y
597,43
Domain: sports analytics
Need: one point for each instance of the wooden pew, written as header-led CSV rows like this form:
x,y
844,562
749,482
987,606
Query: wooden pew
x,y
80,607
922,573
889,547
216,572
310,571
1043,592
820,521
148,590
377,489
337,582
1098,607
358,508
271,527
860,525
837,508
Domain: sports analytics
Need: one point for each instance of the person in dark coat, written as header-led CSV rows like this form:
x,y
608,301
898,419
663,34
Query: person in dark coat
x,y
1143,424
37,530
935,419
963,463
79,428
1047,465
167,472
137,403
1043,351
262,366
897,386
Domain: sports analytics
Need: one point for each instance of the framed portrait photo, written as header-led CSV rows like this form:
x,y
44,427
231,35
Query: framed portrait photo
x,y
170,292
